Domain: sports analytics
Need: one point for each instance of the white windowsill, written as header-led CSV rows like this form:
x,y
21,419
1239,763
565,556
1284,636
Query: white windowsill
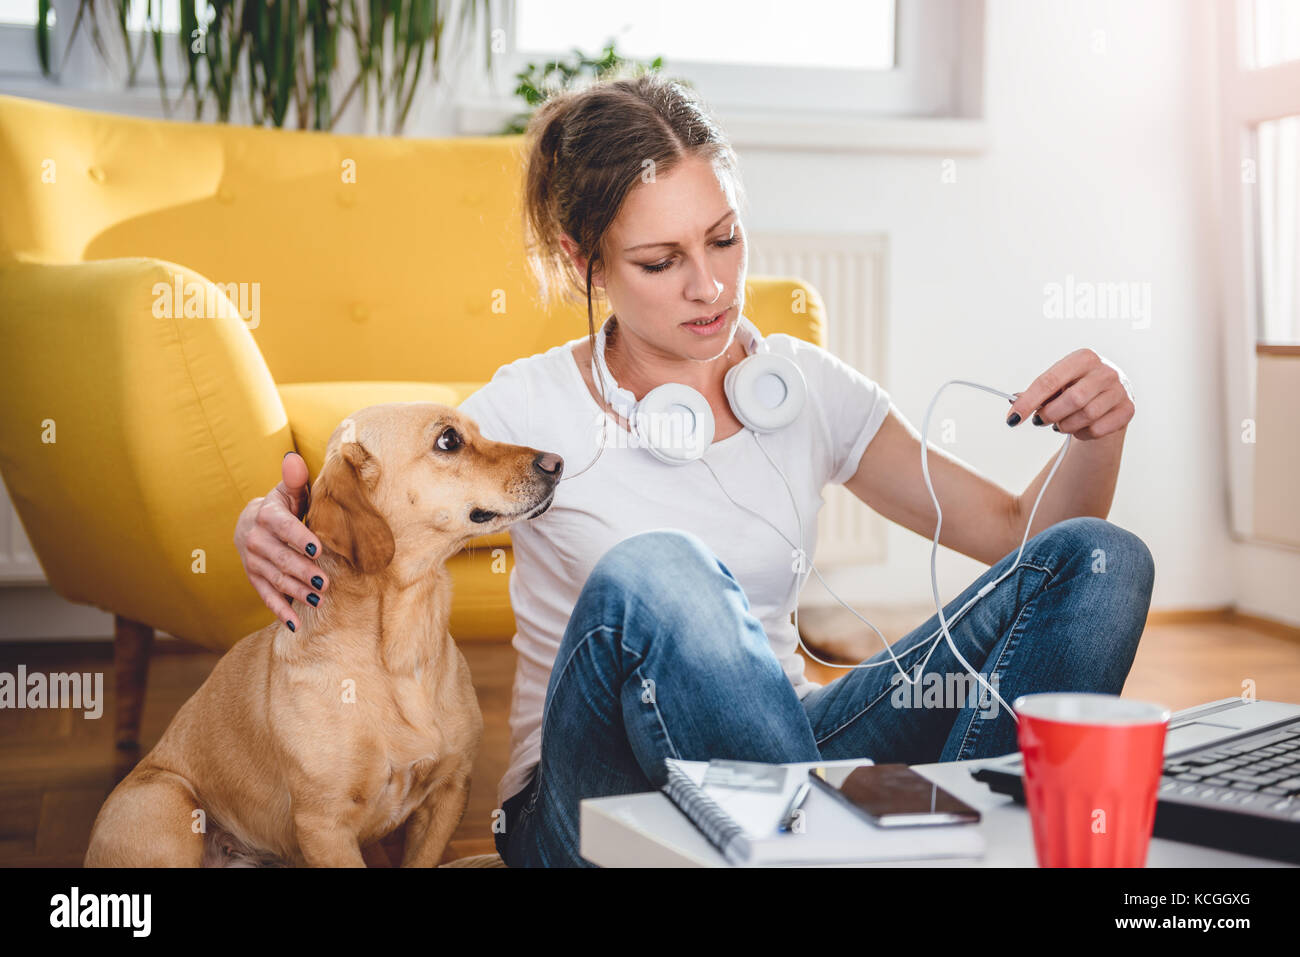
x,y
749,130
760,130
143,99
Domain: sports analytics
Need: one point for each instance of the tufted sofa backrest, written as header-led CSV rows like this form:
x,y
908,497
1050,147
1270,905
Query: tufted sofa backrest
x,y
355,258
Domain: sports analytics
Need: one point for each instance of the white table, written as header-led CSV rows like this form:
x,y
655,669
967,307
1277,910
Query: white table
x,y
647,830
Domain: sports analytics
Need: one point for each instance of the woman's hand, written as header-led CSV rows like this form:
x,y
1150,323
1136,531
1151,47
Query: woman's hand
x,y
1083,395
276,547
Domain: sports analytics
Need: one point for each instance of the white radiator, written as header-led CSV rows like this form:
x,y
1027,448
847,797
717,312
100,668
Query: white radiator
x,y
850,273
18,565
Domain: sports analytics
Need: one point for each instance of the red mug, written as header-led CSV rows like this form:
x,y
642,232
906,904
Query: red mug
x,y
1092,765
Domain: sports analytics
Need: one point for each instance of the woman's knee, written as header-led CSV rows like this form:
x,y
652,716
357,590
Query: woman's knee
x,y
652,559
669,572
676,579
1103,548
1106,573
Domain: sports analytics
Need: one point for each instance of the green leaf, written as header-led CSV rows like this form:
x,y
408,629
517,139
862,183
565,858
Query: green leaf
x,y
43,35
267,42
189,24
156,35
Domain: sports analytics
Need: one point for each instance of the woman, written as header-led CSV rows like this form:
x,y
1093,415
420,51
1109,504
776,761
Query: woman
x,y
653,606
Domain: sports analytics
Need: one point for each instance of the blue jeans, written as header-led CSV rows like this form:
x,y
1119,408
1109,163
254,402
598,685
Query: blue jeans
x,y
662,658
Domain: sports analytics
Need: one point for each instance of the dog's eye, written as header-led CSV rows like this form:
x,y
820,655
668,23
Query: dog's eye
x,y
449,441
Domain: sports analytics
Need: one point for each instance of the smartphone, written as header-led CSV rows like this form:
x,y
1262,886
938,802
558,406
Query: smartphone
x,y
892,795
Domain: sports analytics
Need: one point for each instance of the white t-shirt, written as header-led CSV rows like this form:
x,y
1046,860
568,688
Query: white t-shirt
x,y
542,401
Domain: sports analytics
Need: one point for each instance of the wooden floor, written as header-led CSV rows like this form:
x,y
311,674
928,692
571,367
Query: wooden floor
x,y
56,767
1184,658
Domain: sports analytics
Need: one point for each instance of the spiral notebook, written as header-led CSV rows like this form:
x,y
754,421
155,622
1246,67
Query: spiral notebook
x,y
738,805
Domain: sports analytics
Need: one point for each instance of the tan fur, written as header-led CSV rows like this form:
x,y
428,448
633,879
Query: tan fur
x,y
283,767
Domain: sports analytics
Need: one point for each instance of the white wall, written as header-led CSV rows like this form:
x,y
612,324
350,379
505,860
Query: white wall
x,y
1098,168
1265,579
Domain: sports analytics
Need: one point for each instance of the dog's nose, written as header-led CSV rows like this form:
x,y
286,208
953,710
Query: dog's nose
x,y
549,464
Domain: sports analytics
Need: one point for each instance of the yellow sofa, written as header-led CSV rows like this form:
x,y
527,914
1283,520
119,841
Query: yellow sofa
x,y
316,273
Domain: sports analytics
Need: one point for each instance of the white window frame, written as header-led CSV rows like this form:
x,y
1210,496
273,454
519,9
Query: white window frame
x,y
18,60
86,81
933,101
1245,98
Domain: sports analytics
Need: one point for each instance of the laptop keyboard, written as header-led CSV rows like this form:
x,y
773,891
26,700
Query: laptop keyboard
x,y
1262,771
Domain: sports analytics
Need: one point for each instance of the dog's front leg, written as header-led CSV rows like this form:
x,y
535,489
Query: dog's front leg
x,y
430,826
324,843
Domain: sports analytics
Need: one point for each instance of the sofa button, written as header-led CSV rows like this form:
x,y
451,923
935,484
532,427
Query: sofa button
x,y
97,174
360,313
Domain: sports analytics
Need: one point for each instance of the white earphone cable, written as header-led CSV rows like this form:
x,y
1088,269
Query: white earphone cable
x,y
604,420
934,579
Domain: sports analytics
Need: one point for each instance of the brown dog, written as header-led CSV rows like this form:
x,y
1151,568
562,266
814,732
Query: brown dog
x,y
302,748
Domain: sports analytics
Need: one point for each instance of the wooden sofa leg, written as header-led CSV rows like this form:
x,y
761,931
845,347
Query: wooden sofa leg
x,y
132,642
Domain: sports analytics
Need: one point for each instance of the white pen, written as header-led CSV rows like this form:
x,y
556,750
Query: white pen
x,y
796,802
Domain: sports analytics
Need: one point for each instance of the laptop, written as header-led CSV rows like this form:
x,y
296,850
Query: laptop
x,y
1231,778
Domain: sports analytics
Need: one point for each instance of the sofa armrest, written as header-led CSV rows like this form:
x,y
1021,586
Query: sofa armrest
x,y
134,428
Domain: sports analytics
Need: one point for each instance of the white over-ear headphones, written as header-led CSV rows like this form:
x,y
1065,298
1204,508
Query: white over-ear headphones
x,y
766,392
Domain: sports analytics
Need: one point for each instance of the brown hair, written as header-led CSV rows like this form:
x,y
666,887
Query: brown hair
x,y
588,147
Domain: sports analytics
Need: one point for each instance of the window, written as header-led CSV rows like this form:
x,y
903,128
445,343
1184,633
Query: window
x,y
19,61
1258,62
1260,115
786,74
820,33
18,57
1275,225
18,11
1270,33
1269,37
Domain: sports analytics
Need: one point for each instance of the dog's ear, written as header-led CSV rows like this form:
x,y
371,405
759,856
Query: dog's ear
x,y
341,512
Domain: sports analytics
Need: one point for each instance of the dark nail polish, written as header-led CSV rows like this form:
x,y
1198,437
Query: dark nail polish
x,y
314,599
311,548
1014,419
1055,429
286,455
1038,419
291,627
317,582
